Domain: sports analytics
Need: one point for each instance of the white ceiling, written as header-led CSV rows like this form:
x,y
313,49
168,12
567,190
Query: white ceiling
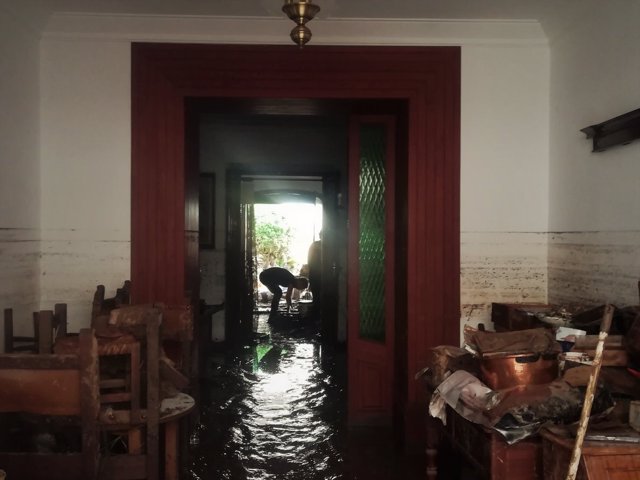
x,y
388,9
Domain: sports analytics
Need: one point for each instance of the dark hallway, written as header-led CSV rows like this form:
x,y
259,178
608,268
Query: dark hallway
x,y
275,408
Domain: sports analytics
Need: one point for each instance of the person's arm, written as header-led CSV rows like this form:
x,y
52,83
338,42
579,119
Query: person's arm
x,y
287,297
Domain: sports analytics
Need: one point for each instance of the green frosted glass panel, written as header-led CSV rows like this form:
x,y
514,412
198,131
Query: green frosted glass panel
x,y
371,239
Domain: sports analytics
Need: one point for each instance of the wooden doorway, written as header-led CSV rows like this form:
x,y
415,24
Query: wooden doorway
x,y
164,231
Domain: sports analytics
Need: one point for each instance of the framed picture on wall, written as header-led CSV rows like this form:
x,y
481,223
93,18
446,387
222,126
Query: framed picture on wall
x,y
207,211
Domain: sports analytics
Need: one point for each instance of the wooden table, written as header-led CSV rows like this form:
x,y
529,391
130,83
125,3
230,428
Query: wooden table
x,y
171,411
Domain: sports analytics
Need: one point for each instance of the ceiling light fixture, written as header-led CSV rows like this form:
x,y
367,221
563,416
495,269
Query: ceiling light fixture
x,y
300,11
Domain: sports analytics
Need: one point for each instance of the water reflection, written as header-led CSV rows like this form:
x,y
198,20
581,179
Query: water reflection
x,y
276,409
271,411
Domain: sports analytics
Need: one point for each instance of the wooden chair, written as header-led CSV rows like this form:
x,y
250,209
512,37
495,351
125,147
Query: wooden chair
x,y
176,331
48,325
103,306
54,385
177,337
122,410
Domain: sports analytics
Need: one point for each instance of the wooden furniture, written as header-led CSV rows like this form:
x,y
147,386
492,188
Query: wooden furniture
x,y
176,330
56,385
600,460
135,464
124,413
103,306
485,450
177,336
47,326
172,410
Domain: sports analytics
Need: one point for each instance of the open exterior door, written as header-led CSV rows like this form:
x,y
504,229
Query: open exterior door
x,y
371,270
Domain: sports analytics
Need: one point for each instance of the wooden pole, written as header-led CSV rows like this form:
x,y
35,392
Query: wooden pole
x,y
591,389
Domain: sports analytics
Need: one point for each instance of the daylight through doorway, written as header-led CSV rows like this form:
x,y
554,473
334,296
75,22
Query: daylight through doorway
x,y
285,234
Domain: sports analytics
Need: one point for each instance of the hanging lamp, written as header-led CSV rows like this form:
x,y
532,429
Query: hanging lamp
x,y
300,11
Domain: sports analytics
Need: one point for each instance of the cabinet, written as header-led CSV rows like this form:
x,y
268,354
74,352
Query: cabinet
x,y
490,456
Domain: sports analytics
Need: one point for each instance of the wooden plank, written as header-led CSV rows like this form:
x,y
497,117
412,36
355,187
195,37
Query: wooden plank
x,y
47,392
171,450
19,361
613,467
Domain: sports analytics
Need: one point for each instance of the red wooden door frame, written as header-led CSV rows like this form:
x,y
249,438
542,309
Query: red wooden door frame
x,y
164,203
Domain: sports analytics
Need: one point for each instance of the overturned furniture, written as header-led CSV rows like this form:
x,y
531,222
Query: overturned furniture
x,y
47,326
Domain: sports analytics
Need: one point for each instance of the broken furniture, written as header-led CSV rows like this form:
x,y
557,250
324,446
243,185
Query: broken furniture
x,y
47,326
54,385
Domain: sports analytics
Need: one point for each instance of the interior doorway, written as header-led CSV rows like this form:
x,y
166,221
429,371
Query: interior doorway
x,y
164,232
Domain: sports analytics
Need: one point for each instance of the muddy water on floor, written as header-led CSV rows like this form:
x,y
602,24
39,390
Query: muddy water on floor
x,y
276,409
272,410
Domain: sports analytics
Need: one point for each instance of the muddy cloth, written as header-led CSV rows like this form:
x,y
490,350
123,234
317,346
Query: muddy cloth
x,y
535,340
524,409
515,413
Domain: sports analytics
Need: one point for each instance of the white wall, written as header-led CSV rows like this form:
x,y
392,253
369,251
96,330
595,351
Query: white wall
x,y
86,153
86,157
594,253
19,171
504,177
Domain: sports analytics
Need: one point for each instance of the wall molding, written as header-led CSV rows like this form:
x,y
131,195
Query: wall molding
x,y
272,30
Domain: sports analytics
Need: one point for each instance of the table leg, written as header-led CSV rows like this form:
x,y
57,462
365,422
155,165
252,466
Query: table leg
x,y
135,441
171,450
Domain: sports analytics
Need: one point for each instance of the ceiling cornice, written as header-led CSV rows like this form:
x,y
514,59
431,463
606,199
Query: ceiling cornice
x,y
251,30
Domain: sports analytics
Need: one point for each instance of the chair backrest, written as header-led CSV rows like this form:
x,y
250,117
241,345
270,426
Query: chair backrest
x,y
54,385
122,410
176,332
48,325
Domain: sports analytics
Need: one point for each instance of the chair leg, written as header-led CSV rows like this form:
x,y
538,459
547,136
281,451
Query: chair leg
x,y
45,331
8,330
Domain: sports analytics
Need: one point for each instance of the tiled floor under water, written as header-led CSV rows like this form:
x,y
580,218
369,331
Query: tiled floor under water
x,y
275,409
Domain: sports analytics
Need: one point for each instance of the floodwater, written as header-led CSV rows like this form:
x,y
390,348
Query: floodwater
x,y
276,409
